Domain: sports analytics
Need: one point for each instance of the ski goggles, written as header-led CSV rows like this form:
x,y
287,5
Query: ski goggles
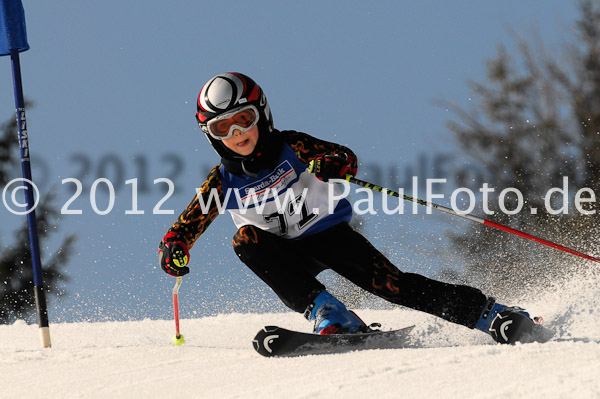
x,y
223,126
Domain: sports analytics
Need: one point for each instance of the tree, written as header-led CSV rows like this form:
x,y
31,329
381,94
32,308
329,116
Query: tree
x,y
535,121
16,272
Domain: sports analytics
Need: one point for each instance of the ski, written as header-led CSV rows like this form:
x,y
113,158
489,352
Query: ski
x,y
278,341
513,328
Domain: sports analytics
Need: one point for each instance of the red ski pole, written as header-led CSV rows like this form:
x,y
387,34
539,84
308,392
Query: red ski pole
x,y
444,209
178,337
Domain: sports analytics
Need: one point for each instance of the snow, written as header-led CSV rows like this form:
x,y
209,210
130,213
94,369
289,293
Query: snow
x,y
136,359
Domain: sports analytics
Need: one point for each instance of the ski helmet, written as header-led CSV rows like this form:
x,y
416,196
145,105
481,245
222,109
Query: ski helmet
x,y
226,92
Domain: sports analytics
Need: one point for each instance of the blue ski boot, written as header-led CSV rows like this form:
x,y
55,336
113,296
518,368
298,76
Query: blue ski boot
x,y
507,325
332,317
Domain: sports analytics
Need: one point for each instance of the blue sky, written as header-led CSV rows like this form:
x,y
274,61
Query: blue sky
x,y
114,85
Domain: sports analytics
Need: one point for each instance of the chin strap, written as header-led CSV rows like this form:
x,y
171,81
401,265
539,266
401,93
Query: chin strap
x,y
246,171
265,156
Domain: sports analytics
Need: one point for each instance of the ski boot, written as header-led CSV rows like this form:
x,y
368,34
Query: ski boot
x,y
508,325
332,317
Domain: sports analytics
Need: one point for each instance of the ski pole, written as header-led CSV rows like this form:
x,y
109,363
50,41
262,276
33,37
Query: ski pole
x,y
178,337
383,190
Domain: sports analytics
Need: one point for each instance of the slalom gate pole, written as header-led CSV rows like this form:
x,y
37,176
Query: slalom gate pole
x,y
351,179
38,284
176,305
13,40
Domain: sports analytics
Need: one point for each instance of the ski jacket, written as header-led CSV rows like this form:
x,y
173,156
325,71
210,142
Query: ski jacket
x,y
287,200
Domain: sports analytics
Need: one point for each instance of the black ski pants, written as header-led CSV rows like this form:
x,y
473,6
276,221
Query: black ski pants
x,y
290,267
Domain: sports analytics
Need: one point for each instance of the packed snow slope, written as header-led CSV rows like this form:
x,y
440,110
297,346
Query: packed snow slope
x,y
137,360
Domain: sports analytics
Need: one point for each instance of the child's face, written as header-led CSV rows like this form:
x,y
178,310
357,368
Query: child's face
x,y
242,143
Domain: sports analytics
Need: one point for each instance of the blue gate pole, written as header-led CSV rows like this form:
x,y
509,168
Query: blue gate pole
x,y
38,283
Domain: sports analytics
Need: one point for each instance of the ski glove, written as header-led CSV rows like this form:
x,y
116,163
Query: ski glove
x,y
173,255
332,167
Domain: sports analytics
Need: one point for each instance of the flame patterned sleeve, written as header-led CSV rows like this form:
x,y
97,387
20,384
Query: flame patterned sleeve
x,y
193,221
308,147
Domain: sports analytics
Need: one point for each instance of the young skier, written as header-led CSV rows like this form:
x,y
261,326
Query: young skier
x,y
290,232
